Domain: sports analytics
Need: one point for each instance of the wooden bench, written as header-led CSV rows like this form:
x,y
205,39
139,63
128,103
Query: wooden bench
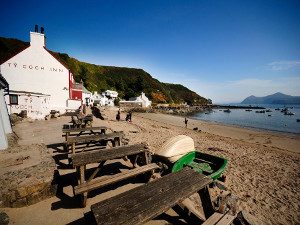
x,y
219,219
80,161
87,140
145,202
73,131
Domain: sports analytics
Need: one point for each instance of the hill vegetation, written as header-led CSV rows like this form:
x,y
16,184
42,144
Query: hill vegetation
x,y
277,98
128,82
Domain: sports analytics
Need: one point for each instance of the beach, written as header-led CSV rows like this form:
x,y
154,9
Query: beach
x,y
263,169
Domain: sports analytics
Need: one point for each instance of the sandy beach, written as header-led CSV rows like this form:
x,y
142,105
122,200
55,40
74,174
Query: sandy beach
x,y
263,169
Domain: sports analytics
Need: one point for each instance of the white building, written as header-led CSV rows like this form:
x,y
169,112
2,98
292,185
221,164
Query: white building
x,y
38,81
140,101
107,98
5,126
86,96
110,94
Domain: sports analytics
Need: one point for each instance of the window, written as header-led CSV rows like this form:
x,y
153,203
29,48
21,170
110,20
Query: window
x,y
13,99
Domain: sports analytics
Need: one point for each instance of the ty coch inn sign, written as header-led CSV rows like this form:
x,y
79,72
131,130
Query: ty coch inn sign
x,y
33,67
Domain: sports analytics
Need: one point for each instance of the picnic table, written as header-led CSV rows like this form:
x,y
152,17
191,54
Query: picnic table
x,y
83,142
145,202
81,160
69,131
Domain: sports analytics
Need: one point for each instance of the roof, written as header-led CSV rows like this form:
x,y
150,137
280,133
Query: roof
x,y
55,55
3,83
12,54
84,90
27,92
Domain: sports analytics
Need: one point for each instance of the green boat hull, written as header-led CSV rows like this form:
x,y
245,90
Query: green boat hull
x,y
209,165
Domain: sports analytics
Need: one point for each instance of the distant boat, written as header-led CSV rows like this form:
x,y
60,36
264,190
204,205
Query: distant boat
x,y
269,115
248,110
260,111
277,109
289,113
227,110
268,110
298,120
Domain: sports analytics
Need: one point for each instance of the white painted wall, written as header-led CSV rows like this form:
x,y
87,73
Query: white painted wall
x,y
36,70
37,106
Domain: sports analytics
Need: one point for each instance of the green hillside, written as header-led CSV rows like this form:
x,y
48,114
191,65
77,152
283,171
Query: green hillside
x,y
128,82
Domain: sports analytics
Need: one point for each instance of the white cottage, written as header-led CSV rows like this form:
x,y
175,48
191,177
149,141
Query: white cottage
x,y
39,82
140,101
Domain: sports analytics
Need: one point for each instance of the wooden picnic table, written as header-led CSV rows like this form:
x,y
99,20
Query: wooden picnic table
x,y
87,140
81,160
75,131
145,202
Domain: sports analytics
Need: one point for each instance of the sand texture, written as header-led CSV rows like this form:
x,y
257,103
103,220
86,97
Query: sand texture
x,y
263,171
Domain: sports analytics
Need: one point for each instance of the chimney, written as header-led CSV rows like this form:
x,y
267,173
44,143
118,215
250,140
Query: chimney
x,y
37,39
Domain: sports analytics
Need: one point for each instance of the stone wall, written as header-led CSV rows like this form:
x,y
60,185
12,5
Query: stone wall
x,y
26,175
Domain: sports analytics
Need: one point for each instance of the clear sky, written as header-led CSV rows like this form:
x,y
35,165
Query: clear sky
x,y
223,50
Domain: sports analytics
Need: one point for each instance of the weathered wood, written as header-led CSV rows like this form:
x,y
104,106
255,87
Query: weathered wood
x,y
103,181
208,208
68,130
219,219
145,202
84,158
82,181
95,138
96,171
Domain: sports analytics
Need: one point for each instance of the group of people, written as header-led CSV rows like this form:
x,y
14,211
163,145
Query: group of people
x,y
128,116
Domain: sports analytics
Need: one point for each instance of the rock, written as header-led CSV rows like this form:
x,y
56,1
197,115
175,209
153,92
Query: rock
x,y
4,218
244,217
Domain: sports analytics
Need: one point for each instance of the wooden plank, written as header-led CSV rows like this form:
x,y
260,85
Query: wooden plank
x,y
95,137
103,181
206,202
145,202
219,219
84,158
65,130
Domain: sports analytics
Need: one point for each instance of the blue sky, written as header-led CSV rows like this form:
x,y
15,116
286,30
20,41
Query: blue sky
x,y
223,50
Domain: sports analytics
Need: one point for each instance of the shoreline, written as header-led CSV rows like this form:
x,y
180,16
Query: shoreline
x,y
284,141
247,127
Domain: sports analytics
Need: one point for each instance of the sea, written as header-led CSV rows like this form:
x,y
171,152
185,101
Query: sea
x,y
272,121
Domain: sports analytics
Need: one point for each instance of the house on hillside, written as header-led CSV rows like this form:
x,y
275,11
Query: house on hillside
x,y
5,126
140,101
86,96
38,81
106,98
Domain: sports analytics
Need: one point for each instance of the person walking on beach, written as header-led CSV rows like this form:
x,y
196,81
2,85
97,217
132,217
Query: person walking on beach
x,y
118,116
185,121
130,116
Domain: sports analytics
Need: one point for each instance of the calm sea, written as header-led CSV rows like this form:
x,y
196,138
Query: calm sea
x,y
277,121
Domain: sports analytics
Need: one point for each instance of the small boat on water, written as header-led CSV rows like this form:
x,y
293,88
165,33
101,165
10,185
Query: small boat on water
x,y
227,110
289,113
277,109
298,120
248,110
260,111
268,110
